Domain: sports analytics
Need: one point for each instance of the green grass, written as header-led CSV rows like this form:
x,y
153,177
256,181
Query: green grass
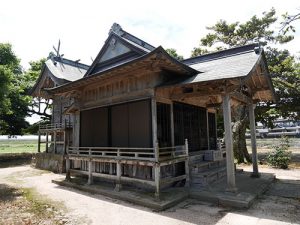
x,y
19,146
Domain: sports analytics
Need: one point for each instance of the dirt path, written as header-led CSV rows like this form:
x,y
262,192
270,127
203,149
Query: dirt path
x,y
83,208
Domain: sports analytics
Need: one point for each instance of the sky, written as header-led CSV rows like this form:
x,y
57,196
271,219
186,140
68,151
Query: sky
x,y
33,27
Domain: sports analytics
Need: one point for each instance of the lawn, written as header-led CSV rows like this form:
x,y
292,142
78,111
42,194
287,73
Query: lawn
x,y
264,146
18,146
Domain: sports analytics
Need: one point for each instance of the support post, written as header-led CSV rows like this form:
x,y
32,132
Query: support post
x,y
68,177
157,180
172,124
119,174
90,180
187,168
207,130
156,152
39,142
229,146
47,139
65,141
76,129
172,136
255,172
54,139
154,122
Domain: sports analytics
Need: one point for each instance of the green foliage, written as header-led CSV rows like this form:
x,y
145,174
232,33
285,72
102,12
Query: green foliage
x,y
13,99
280,156
32,74
173,52
287,23
37,105
198,51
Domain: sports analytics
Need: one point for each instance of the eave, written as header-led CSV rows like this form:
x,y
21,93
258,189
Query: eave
x,y
155,60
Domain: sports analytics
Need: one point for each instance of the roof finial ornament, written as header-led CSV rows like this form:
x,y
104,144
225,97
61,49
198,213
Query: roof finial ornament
x,y
116,28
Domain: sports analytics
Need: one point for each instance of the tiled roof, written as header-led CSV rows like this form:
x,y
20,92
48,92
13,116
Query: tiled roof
x,y
65,70
231,63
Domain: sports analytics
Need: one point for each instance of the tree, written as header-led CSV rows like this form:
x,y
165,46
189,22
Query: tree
x,y
281,66
13,99
288,20
173,52
37,106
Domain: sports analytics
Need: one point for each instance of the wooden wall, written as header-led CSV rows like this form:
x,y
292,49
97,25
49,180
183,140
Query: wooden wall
x,y
122,125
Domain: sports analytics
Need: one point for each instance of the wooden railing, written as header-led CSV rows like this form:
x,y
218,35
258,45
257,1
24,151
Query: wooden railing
x,y
173,152
53,126
146,154
113,152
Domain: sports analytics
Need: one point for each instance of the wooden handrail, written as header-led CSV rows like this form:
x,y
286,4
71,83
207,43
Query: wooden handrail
x,y
55,126
149,154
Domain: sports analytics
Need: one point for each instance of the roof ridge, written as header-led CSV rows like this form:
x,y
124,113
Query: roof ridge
x,y
71,62
222,54
117,29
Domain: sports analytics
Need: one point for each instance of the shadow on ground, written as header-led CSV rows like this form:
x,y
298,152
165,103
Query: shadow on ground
x,y
9,193
15,159
275,206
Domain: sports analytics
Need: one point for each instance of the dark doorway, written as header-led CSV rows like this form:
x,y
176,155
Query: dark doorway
x,y
190,122
163,124
123,125
93,127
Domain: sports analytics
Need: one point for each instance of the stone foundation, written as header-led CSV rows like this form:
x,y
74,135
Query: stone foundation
x,y
49,161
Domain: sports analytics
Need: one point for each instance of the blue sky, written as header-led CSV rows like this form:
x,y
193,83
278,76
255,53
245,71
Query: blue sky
x,y
34,26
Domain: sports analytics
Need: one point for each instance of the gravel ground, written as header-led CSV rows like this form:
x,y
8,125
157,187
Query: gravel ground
x,y
76,207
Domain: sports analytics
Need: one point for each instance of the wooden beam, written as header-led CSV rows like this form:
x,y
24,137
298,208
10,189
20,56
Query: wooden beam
x,y
157,180
253,140
132,96
241,97
194,94
231,187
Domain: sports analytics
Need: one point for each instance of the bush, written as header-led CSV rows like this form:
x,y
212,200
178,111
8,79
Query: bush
x,y
280,156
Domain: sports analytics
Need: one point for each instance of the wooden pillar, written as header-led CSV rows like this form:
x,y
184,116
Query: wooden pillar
x,y
47,139
76,129
154,129
172,124
68,177
255,172
154,121
216,126
172,136
157,180
187,168
110,168
229,146
54,139
39,142
90,180
65,142
207,130
119,174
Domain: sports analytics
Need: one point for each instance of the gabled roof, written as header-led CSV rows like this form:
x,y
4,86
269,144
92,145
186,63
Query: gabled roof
x,y
60,71
238,63
158,56
120,47
231,63
65,70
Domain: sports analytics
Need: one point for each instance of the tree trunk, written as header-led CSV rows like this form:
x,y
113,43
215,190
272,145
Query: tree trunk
x,y
240,118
